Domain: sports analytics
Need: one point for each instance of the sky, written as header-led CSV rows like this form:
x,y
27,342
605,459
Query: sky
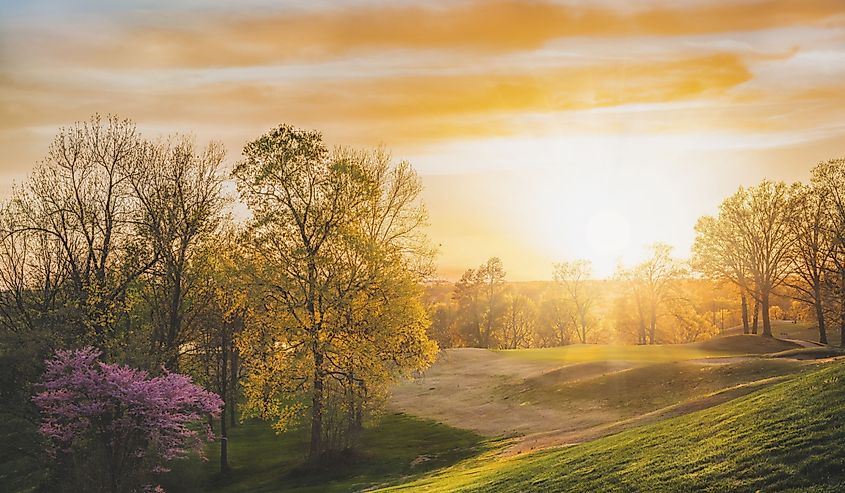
x,y
543,130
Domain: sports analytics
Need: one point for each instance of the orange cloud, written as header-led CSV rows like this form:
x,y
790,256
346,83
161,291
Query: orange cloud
x,y
409,107
479,26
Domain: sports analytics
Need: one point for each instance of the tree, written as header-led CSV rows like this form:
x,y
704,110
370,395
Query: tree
x,y
689,324
491,277
657,273
467,297
444,325
814,249
479,295
763,215
635,288
718,255
574,277
180,202
519,320
111,428
78,208
338,256
828,178
220,312
554,326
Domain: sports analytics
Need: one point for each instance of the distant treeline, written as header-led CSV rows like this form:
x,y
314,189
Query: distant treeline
x,y
484,309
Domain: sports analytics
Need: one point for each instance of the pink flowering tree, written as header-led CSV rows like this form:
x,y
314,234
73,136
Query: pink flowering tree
x,y
113,428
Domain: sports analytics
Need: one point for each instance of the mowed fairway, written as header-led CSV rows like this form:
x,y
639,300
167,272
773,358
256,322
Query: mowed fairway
x,y
576,393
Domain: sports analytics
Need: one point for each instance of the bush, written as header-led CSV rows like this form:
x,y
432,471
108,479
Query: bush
x,y
113,428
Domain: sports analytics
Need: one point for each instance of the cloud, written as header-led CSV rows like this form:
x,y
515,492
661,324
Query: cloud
x,y
493,27
433,105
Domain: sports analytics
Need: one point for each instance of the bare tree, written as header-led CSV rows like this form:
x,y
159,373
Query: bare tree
x,y
656,275
574,277
78,203
718,255
179,195
519,320
763,215
828,178
813,250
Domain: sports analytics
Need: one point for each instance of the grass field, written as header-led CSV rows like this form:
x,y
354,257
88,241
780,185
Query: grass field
x,y
582,353
807,331
572,388
397,447
789,437
646,388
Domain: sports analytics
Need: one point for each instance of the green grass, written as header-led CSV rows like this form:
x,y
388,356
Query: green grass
x,y
788,437
583,353
265,462
647,388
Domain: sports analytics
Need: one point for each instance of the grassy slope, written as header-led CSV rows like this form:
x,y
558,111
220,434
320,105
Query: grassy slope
x,y
643,389
790,437
265,462
583,353
807,331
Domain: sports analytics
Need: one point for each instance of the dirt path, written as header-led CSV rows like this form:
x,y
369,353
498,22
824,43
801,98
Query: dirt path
x,y
566,437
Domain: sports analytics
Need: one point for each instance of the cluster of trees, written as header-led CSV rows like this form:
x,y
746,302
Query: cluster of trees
x,y
775,238
127,245
652,302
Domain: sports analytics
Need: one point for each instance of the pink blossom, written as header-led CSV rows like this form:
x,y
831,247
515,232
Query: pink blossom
x,y
86,403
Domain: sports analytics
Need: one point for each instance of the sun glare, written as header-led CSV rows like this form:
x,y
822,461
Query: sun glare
x,y
608,232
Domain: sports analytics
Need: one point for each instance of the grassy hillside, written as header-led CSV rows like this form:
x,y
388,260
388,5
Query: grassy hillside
x,y
788,437
646,388
396,447
582,353
520,392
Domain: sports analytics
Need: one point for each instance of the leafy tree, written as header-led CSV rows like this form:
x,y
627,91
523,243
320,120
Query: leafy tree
x,y
338,253
222,309
656,275
480,298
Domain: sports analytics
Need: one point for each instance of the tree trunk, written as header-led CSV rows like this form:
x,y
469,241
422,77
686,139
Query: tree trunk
x,y
745,328
653,326
224,387
316,449
767,323
642,338
233,392
842,308
224,442
818,305
756,316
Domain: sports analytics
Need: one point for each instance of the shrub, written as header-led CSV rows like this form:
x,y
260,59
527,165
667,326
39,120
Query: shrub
x,y
114,428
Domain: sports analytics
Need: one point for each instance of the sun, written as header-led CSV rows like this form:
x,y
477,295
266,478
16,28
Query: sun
x,y
608,232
